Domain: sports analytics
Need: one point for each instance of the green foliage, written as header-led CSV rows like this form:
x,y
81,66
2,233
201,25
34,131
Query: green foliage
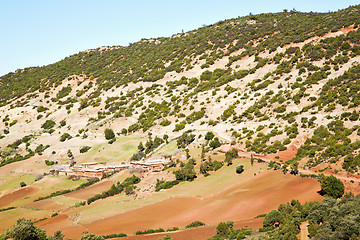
x,y
6,209
91,236
230,155
195,224
41,148
179,126
25,230
209,136
215,143
330,219
84,149
331,186
48,124
64,137
185,139
109,134
272,218
224,230
139,232
22,184
186,173
160,184
210,166
240,169
165,122
128,184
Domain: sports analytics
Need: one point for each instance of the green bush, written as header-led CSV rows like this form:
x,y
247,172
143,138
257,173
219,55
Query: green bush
x,y
109,134
48,124
195,224
239,169
331,186
64,137
84,149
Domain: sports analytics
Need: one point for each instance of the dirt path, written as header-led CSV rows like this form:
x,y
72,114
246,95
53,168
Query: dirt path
x,y
304,232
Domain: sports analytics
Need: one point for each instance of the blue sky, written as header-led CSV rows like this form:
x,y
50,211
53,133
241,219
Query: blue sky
x,y
40,32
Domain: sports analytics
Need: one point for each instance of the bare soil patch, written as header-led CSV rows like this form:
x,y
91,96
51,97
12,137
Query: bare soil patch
x,y
46,205
62,222
242,201
198,233
16,195
91,191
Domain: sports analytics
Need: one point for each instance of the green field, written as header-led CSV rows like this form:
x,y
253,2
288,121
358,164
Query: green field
x,y
119,151
14,181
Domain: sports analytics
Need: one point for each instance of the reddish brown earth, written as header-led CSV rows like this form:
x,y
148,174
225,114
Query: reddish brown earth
x,y
45,204
197,233
286,155
62,222
88,192
17,195
242,201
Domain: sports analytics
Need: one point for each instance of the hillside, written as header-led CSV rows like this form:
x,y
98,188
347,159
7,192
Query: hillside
x,y
281,87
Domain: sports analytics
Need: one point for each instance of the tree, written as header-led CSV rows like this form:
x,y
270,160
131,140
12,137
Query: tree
x,y
294,168
141,147
230,155
331,186
109,134
25,230
91,236
215,143
272,218
22,184
209,136
166,137
222,228
48,124
239,169
167,237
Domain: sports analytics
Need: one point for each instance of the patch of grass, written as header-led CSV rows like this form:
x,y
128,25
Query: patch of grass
x,y
168,149
14,181
121,150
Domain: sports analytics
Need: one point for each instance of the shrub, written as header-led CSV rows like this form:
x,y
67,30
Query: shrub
x,y
48,124
195,224
149,231
84,149
109,134
209,136
22,184
239,169
215,143
331,186
65,137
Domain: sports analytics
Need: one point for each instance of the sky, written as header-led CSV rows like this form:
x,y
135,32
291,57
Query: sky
x,y
41,32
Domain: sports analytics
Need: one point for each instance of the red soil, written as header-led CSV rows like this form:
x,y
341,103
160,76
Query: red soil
x,y
62,222
286,155
91,191
243,201
45,204
16,195
197,233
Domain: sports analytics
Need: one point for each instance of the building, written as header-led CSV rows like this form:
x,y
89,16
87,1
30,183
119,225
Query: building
x,y
95,169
